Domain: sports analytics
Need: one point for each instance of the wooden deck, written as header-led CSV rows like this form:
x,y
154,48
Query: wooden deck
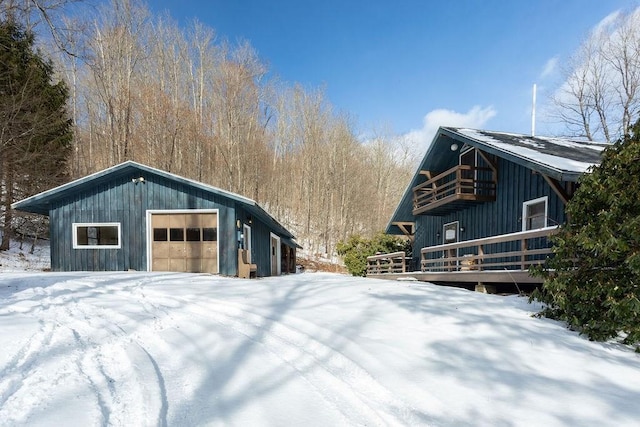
x,y
446,191
396,262
497,259
464,277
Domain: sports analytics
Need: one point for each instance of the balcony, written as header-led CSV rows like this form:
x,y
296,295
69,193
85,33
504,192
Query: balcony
x,y
455,188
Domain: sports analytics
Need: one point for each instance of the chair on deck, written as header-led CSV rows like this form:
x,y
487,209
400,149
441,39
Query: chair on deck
x,y
245,269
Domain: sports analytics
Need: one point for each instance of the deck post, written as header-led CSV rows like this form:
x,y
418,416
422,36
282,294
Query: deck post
x,y
485,289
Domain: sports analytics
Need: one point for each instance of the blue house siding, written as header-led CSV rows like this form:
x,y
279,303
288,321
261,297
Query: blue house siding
x,y
516,184
128,194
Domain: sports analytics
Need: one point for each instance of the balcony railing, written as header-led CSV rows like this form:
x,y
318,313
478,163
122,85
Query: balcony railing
x,y
514,251
396,262
462,183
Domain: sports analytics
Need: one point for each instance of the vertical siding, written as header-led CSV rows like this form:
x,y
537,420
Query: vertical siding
x,y
121,200
516,184
260,243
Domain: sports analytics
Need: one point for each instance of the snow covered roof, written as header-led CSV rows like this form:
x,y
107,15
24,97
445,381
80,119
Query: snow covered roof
x,y
562,159
563,155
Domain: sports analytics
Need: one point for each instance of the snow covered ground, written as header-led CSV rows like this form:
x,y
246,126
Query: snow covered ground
x,y
19,258
314,349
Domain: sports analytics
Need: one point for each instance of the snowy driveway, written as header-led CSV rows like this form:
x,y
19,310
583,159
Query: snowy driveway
x,y
312,349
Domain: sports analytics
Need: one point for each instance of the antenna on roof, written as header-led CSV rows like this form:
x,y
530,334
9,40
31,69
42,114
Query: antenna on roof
x,y
533,112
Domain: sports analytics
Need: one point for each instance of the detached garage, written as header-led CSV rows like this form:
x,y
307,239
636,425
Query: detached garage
x,y
134,217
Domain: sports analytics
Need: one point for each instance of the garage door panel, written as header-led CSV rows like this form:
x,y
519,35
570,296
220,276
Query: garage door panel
x,y
188,245
176,250
160,264
178,264
194,250
161,250
160,221
178,220
210,265
207,220
193,265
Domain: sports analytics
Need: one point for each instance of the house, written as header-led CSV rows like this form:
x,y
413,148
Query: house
x,y
482,204
135,217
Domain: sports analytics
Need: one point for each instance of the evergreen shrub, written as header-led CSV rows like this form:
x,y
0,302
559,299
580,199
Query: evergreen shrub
x,y
593,281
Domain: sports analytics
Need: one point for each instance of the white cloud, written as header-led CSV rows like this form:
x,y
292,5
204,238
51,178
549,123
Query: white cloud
x,y
474,118
606,23
549,68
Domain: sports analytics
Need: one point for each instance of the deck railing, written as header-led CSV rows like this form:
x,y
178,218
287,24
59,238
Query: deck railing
x,y
461,182
396,262
514,251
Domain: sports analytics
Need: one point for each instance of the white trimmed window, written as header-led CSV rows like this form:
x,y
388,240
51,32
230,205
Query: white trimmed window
x,y
104,235
534,213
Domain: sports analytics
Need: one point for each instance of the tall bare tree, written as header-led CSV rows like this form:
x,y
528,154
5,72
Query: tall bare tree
x,y
185,101
600,95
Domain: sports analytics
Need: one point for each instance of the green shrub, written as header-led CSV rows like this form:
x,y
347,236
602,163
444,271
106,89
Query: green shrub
x,y
355,250
593,281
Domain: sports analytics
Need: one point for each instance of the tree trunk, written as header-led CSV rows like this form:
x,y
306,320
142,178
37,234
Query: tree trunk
x,y
8,199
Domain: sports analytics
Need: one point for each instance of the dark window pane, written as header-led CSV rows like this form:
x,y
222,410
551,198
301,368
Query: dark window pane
x,y
193,234
209,234
536,209
176,234
82,236
107,235
97,235
535,216
160,235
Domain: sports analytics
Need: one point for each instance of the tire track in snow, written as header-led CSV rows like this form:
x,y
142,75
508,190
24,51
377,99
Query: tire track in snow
x,y
340,381
24,361
123,348
103,354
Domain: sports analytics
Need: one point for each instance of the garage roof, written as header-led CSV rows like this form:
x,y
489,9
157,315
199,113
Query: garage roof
x,y
41,203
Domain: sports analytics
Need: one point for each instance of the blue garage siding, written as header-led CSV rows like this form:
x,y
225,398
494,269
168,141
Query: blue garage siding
x,y
123,201
126,194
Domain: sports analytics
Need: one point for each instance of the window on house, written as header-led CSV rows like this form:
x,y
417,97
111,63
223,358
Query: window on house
x,y
96,236
534,214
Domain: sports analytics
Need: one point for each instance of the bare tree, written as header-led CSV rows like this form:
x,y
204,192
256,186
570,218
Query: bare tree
x,y
116,51
48,14
600,94
186,102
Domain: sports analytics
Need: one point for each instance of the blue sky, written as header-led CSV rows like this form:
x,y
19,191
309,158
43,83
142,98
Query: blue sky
x,y
407,66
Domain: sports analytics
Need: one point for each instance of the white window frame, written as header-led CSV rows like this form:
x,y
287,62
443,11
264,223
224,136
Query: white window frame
x,y
528,203
247,240
278,254
77,225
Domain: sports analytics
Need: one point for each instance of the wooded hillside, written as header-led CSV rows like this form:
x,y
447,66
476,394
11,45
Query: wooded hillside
x,y
186,101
